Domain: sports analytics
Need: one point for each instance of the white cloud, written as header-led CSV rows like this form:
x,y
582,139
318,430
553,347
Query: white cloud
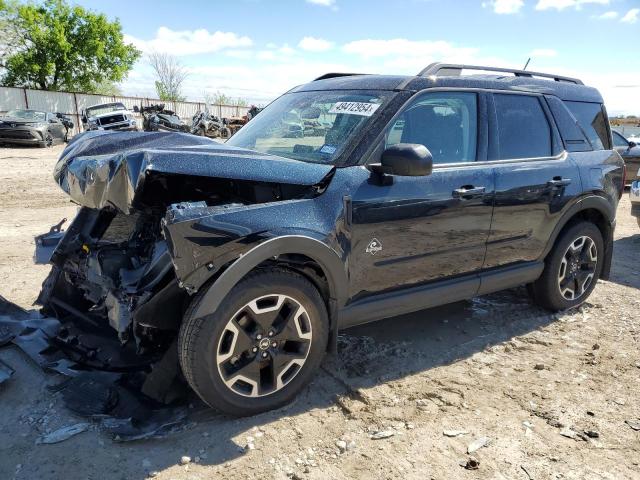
x,y
275,68
312,44
504,7
324,3
189,42
562,4
543,52
400,47
607,16
631,16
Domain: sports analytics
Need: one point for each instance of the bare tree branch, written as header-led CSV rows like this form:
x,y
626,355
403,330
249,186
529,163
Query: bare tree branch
x,y
170,74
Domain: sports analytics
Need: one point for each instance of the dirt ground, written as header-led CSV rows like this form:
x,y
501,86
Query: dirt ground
x,y
537,386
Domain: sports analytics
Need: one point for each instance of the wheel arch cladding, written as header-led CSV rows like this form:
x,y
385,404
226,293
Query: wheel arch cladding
x,y
594,209
324,256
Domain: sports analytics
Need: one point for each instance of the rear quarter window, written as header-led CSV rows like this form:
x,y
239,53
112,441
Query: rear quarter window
x,y
594,122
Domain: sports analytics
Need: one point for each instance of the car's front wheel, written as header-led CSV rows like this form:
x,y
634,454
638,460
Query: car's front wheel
x,y
48,140
260,347
571,269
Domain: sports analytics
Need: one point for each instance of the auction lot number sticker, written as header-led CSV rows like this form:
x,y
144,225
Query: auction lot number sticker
x,y
355,108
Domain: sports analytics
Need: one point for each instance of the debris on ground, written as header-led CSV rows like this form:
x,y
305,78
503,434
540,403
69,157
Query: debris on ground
x,y
64,433
478,444
382,435
470,463
634,425
454,433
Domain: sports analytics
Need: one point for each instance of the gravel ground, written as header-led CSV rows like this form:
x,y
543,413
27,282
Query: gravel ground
x,y
548,396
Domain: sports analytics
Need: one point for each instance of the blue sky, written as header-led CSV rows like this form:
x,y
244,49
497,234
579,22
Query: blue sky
x,y
258,49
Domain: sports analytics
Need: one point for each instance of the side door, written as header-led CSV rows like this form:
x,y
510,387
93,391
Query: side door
x,y
413,230
535,178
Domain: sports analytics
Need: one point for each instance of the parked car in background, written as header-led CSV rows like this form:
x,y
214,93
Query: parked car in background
x,y
32,127
630,153
108,116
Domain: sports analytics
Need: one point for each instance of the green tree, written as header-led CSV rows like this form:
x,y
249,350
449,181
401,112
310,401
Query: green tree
x,y
64,47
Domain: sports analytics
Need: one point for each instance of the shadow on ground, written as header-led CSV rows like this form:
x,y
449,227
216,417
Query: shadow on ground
x,y
368,355
625,261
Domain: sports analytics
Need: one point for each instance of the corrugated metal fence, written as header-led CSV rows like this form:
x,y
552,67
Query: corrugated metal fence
x,y
72,104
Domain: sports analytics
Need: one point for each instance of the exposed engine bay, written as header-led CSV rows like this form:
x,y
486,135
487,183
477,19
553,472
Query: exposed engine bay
x,y
114,269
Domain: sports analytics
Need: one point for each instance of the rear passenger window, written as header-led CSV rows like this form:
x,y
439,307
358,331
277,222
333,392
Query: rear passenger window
x,y
592,119
523,128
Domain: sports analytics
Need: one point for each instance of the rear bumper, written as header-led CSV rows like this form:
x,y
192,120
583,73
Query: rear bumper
x,y
21,136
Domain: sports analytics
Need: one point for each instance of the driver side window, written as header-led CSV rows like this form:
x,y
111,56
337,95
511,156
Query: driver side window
x,y
444,122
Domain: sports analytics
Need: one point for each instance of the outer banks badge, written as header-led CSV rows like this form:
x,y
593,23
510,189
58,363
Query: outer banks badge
x,y
374,246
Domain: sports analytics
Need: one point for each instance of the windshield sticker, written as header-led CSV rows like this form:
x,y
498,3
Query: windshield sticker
x,y
328,149
355,108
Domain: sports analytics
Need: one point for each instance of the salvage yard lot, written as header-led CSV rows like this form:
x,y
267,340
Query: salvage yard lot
x,y
534,384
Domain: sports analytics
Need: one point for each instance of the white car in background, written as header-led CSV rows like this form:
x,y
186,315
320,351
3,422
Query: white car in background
x,y
108,116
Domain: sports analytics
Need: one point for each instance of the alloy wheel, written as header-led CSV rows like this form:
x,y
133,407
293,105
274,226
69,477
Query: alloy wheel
x,y
577,268
264,345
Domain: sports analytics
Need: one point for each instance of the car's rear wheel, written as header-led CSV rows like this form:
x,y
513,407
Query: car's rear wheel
x,y
260,347
571,269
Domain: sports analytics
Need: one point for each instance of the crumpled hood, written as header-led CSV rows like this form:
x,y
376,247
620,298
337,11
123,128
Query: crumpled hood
x,y
99,169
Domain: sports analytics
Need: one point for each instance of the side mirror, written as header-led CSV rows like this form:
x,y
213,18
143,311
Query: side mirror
x,y
84,119
632,144
405,159
136,109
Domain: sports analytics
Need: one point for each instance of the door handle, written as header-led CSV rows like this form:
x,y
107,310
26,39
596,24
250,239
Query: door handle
x,y
558,182
468,191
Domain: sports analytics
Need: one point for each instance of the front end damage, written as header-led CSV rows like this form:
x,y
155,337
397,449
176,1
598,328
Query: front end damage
x,y
125,269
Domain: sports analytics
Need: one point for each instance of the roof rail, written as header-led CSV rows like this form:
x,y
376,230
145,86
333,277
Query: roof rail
x,y
335,75
452,69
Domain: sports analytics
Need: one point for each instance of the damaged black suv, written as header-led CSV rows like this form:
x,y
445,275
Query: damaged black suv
x,y
349,199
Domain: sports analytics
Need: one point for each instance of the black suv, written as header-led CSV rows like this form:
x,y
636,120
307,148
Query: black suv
x,y
242,260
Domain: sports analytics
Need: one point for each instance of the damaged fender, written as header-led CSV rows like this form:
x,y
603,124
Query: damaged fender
x,y
227,243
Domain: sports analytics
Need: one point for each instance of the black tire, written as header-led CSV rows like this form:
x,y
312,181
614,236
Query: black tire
x,y
48,140
201,339
547,290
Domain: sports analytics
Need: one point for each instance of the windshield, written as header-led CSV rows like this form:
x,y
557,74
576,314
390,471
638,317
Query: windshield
x,y
27,115
310,126
100,109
